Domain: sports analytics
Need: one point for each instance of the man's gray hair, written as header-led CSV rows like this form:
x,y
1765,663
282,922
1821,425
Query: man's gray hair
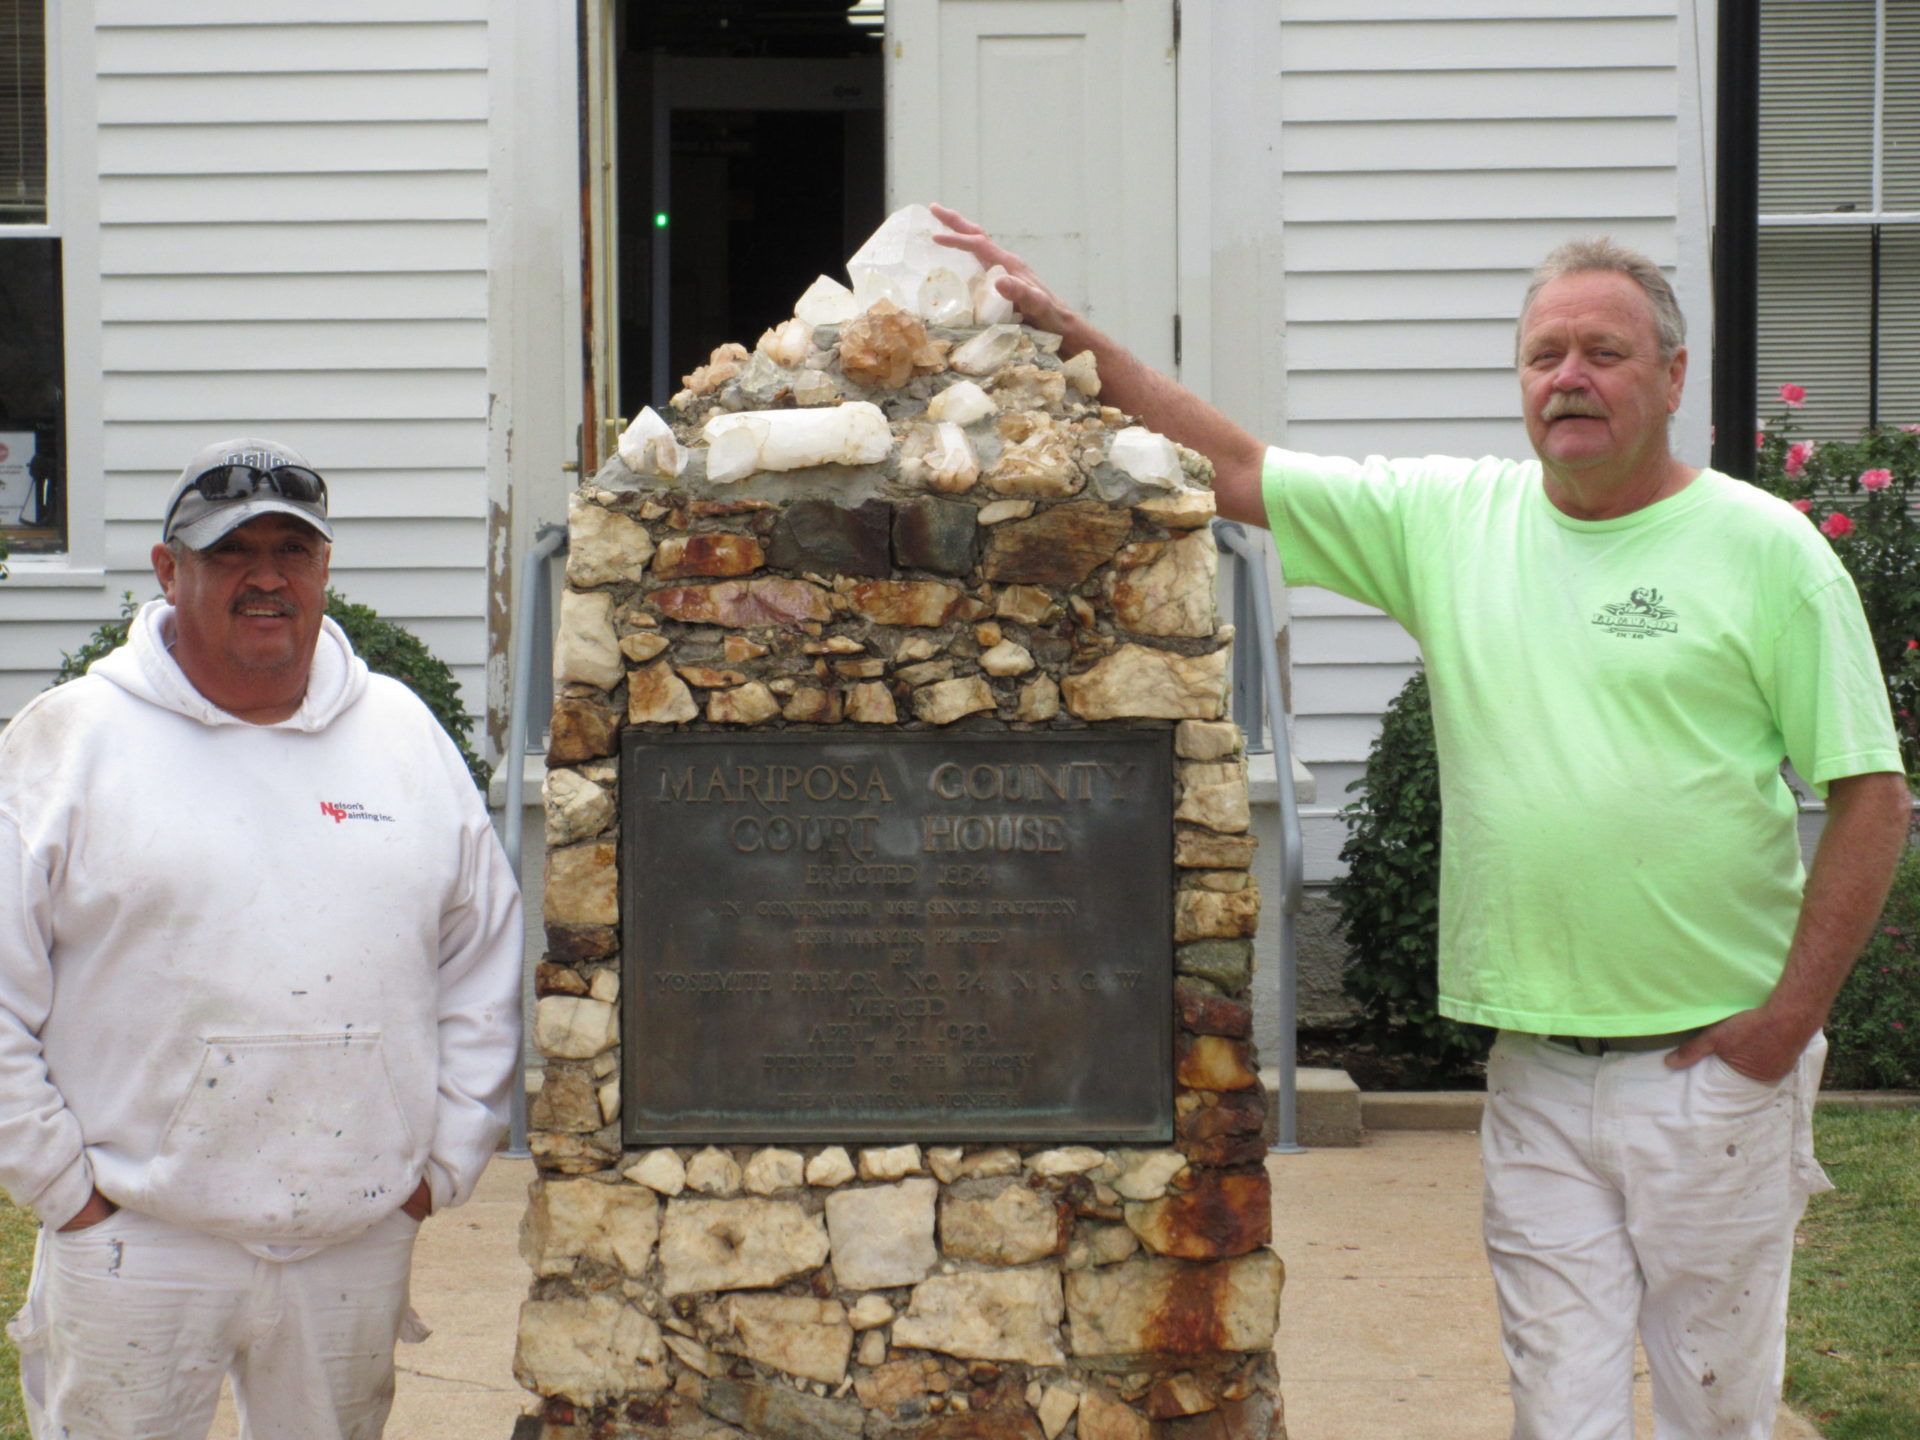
x,y
1604,253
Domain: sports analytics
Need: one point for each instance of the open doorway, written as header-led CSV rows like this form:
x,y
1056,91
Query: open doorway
x,y
750,158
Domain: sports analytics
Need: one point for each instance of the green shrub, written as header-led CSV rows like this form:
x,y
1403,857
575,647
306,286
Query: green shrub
x,y
1861,494
103,642
1390,896
388,649
1874,1028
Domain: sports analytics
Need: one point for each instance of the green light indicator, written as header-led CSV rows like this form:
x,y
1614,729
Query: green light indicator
x,y
660,220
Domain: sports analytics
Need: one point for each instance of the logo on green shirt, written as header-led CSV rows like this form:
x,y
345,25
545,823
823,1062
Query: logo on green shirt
x,y
1638,618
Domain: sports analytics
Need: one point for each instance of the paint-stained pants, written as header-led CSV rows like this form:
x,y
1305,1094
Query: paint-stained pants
x,y
1623,1195
131,1324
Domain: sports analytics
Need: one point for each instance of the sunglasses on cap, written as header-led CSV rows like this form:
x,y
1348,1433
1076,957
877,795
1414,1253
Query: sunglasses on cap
x,y
240,482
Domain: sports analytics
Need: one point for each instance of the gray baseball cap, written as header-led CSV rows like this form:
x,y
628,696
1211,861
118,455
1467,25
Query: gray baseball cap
x,y
231,482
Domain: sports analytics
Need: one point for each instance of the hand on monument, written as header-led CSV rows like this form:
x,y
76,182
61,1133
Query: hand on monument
x,y
97,1208
419,1204
1760,1044
1038,305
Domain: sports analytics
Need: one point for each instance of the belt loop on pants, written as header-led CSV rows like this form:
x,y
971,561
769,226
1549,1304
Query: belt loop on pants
x,y
1622,1044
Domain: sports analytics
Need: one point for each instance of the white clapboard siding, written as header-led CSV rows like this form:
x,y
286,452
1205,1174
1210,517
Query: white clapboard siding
x,y
318,197
422,95
1468,146
395,296
1350,297
348,444
267,43
1433,151
300,345
1484,94
1490,434
293,240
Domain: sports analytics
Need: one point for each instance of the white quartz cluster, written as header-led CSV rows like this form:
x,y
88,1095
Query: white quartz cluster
x,y
922,326
902,264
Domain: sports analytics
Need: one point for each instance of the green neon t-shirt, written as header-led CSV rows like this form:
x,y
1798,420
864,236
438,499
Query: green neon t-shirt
x,y
1612,700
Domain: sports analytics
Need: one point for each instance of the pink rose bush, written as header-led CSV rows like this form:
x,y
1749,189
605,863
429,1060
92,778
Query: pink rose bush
x,y
1863,495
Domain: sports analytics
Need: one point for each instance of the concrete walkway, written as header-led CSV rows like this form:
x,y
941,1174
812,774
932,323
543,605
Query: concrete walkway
x,y
1388,1329
1387,1323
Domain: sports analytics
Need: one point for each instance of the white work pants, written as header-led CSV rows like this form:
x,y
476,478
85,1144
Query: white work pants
x,y
131,1324
1621,1194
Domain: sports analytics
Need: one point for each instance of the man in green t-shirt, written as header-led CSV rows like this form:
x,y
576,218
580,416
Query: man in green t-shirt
x,y
1622,651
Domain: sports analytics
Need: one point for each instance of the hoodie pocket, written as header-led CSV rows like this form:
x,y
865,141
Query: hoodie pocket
x,y
286,1138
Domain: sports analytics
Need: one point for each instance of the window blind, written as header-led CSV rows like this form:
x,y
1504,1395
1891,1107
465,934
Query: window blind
x,y
23,112
1831,316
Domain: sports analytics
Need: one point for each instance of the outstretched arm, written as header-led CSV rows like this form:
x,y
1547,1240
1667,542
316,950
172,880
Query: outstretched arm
x,y
1852,868
1126,381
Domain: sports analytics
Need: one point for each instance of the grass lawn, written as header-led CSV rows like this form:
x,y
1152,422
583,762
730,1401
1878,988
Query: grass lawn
x,y
17,1232
1853,1341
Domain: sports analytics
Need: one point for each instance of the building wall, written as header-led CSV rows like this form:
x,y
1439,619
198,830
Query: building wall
x,y
288,235
1431,152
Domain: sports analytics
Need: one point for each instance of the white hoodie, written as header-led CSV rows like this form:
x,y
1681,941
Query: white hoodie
x,y
257,980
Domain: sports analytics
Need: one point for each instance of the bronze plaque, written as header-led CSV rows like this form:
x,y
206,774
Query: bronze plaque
x,y
901,936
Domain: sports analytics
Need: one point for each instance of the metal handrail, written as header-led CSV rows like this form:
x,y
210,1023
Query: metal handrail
x,y
547,541
1256,676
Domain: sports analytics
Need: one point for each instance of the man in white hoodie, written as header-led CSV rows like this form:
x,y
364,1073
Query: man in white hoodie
x,y
259,991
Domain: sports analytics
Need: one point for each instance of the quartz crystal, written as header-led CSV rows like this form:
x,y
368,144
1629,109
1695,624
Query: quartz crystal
x,y
1147,457
951,464
738,445
1083,373
814,387
900,262
648,447
962,403
988,351
788,343
882,347
990,307
827,302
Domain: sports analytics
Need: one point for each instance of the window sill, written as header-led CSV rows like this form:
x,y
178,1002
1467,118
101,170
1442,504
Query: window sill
x,y
49,572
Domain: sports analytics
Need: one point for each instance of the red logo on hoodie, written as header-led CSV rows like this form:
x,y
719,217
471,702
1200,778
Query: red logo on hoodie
x,y
339,810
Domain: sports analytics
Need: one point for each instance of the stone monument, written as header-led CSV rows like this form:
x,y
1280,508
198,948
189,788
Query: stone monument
x,y
895,1008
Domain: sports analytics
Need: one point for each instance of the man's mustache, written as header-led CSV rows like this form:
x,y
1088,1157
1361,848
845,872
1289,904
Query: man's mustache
x,y
1572,402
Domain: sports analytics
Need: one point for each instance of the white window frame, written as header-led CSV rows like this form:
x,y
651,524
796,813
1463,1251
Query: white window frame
x,y
1876,213
73,218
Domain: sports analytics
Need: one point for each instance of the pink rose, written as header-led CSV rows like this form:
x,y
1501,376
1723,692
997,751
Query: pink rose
x,y
1875,479
1759,439
1793,396
1836,525
1911,429
1798,454
1803,506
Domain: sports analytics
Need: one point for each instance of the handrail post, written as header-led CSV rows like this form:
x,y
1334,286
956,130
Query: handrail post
x,y
1257,679
533,579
